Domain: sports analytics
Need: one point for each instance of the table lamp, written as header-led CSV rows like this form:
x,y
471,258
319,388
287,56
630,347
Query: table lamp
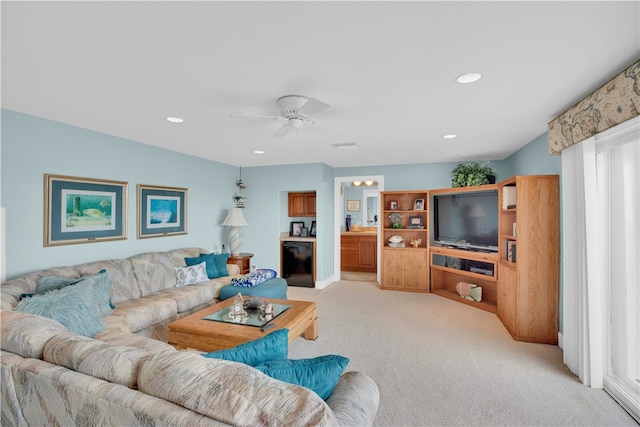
x,y
234,221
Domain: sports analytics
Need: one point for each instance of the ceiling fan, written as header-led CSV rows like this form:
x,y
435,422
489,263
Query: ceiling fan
x,y
295,110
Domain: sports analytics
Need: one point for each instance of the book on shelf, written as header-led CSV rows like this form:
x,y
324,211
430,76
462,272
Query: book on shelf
x,y
508,197
511,251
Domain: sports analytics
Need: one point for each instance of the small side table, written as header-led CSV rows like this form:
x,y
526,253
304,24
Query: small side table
x,y
242,260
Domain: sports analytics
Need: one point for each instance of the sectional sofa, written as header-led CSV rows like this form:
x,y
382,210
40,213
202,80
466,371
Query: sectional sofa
x,y
127,374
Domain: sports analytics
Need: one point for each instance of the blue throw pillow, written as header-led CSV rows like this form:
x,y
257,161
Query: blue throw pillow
x,y
76,307
274,346
209,260
320,374
220,261
100,283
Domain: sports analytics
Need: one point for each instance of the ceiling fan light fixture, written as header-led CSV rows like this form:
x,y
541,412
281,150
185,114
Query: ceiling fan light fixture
x,y
295,122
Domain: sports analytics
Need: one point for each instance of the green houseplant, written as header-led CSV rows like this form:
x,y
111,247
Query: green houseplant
x,y
473,173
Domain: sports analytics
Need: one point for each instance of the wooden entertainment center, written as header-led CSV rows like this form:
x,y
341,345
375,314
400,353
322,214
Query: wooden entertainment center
x,y
519,282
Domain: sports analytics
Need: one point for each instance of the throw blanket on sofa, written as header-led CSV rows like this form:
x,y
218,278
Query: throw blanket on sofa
x,y
250,280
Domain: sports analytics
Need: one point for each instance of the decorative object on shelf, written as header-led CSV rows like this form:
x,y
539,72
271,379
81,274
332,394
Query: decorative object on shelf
x,y
418,205
469,291
396,242
353,205
393,205
239,198
304,232
83,210
296,228
313,231
235,220
162,211
472,174
405,204
347,223
396,220
415,222
416,243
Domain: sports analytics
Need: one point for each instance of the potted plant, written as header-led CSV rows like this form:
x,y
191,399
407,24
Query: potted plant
x,y
473,173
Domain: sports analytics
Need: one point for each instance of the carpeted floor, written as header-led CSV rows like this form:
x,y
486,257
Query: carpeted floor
x,y
437,362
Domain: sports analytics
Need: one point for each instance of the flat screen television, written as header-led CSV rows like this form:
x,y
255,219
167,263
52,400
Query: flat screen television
x,y
467,220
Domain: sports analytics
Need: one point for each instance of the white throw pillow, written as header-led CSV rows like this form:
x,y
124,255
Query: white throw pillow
x,y
189,275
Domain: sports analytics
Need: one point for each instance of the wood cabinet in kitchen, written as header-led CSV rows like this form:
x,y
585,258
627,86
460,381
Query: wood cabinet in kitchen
x,y
302,204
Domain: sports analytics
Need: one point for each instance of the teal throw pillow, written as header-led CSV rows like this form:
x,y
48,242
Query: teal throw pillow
x,y
76,307
99,283
274,346
220,261
212,270
320,374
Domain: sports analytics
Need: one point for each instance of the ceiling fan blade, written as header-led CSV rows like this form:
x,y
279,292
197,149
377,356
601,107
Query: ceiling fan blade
x,y
282,132
312,106
239,116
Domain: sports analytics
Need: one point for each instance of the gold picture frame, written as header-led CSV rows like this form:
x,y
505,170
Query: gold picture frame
x,y
353,205
162,211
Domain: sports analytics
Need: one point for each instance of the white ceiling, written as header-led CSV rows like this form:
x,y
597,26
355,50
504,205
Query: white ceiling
x,y
386,68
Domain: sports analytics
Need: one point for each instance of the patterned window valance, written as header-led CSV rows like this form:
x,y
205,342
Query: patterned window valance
x,y
615,102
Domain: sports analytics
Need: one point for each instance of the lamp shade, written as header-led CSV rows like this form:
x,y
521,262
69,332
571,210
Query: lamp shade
x,y
235,218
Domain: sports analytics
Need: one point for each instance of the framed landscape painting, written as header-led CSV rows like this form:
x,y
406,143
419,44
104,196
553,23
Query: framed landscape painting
x,y
83,210
162,211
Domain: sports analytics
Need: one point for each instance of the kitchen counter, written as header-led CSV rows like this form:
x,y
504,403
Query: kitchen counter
x,y
285,236
359,233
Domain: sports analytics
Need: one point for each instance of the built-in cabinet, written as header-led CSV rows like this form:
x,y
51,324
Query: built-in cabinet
x,y
405,216
519,282
528,266
302,204
358,252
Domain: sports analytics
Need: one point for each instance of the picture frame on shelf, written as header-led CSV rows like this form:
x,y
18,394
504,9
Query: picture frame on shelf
x,y
313,230
418,205
304,232
162,211
296,228
353,205
83,210
393,205
415,222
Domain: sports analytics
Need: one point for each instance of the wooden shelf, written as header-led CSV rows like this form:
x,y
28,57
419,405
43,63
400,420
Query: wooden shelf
x,y
489,306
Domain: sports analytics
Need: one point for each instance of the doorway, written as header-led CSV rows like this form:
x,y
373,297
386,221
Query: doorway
x,y
366,213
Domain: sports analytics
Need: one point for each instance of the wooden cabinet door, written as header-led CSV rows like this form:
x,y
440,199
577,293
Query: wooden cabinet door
x,y
296,204
367,253
507,282
349,253
310,204
415,270
393,269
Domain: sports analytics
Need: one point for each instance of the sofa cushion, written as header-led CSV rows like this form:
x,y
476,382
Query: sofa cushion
x,y
230,392
120,271
189,297
220,260
99,283
26,334
116,364
274,346
78,307
190,275
320,374
145,312
274,288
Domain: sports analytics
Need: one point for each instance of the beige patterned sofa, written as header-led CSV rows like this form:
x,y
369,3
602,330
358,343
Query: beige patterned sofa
x,y
129,375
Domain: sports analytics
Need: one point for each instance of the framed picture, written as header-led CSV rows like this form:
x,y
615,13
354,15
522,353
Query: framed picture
x,y
83,210
296,228
313,229
304,232
393,205
353,205
162,211
415,222
418,205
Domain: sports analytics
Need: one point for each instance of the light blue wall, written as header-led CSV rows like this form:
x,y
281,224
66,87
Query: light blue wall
x,y
32,147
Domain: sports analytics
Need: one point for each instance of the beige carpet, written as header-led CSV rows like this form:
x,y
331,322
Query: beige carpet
x,y
438,362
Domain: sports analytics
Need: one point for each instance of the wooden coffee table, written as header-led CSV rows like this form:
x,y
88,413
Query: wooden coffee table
x,y
195,332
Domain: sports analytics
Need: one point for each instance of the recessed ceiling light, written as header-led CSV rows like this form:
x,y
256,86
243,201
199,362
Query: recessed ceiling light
x,y
469,78
175,119
346,146
258,152
450,136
